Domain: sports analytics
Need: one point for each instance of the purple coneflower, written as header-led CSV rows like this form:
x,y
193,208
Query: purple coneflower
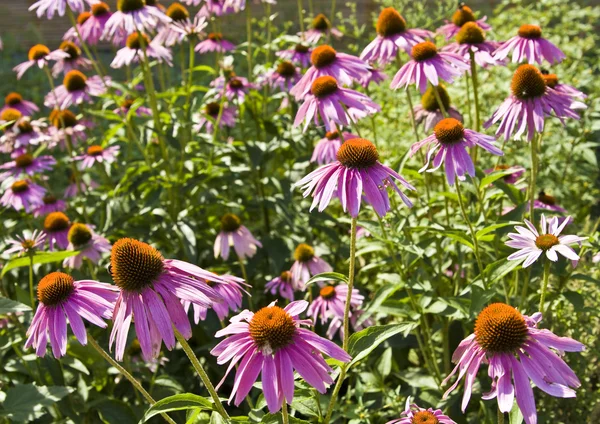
x,y
306,264
233,233
210,115
231,290
74,189
429,65
214,43
151,289
39,55
76,89
428,111
530,101
449,143
299,55
517,352
271,341
52,7
281,285
15,101
529,45
532,244
51,204
56,228
23,194
471,38
326,148
336,325
71,62
214,7
414,414
62,298
326,61
133,16
132,52
71,33
26,244
374,76
356,171
461,16
190,28
285,76
332,301
167,36
548,202
128,103
89,244
552,81
27,164
65,123
98,154
235,87
320,27
392,35
25,132
333,104
92,29
513,177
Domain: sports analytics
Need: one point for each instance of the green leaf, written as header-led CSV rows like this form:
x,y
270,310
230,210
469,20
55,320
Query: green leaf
x,y
328,276
7,305
515,416
364,342
38,258
499,269
496,175
278,419
306,406
25,402
494,227
178,403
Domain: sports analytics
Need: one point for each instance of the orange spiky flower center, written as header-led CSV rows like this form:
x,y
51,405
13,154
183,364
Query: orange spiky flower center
x,y
230,222
324,86
135,265
527,82
321,23
63,118
212,109
75,81
462,15
500,328
177,12
37,52
449,131
71,49
286,69
13,99
56,221
470,33
24,160
390,22
272,328
10,114
79,234
429,100
423,51
130,5
100,8
424,417
327,292
95,150
323,56
83,17
304,253
134,41
55,288
357,153
531,32
20,186
215,36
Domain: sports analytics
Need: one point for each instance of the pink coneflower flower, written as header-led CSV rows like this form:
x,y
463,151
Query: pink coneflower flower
x,y
529,45
56,228
26,132
529,103
235,87
306,264
73,61
281,285
62,298
471,38
333,104
332,302
23,194
98,154
26,244
51,204
128,103
374,76
299,55
73,190
92,29
15,101
214,7
461,16
271,341
532,244
320,27
414,414
233,233
356,171
152,289
230,290
76,89
326,148
429,65
26,164
392,35
428,111
449,143
65,123
285,76
545,201
190,28
336,325
167,35
214,43
71,33
514,347
513,177
209,115
133,16
552,81
9,118
327,62
39,55
52,7
89,244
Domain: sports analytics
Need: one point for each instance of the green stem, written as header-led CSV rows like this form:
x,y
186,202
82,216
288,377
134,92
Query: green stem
x,y
439,102
534,167
31,296
83,44
249,36
245,276
500,417
475,98
127,375
545,283
202,374
284,412
301,19
472,231
332,13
